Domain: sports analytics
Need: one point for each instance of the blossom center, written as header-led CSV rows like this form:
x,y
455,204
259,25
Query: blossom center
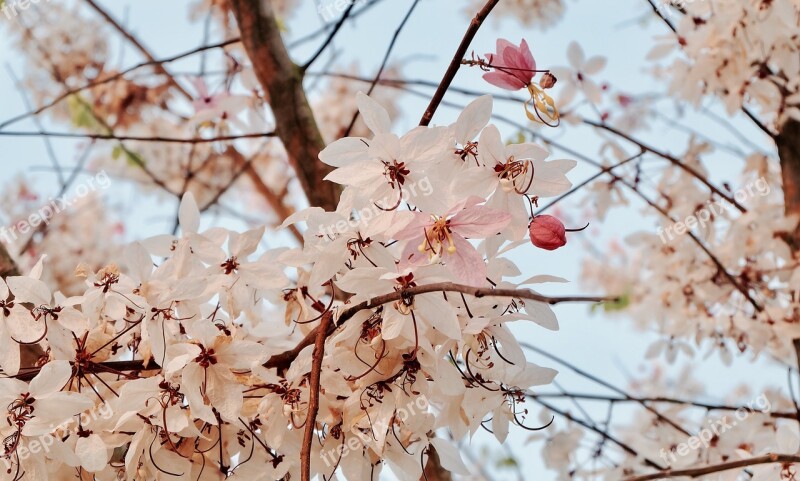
x,y
437,238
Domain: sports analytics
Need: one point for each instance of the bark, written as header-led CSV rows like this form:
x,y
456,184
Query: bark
x,y
7,265
283,82
434,471
788,141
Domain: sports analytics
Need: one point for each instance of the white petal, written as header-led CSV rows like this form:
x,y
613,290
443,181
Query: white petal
x,y
189,214
375,116
51,378
449,456
473,119
93,453
27,289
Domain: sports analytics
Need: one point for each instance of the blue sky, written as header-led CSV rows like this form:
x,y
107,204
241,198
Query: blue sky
x,y
608,348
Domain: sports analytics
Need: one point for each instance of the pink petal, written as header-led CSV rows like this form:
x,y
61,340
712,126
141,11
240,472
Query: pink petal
x,y
527,56
415,228
503,44
466,263
479,222
503,80
411,256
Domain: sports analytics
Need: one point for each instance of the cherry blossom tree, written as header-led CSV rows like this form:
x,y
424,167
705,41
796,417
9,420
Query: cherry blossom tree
x,y
359,321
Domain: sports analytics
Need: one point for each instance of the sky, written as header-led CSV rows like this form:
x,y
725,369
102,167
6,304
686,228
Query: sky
x,y
607,347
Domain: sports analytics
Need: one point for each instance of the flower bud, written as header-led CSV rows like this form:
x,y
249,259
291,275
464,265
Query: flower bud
x,y
548,81
547,232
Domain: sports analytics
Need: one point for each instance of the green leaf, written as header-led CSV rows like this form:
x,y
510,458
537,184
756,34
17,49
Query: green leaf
x,y
507,462
616,305
81,114
116,152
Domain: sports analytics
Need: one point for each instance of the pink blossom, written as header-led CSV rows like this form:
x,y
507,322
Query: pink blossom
x,y
547,232
445,238
514,66
206,101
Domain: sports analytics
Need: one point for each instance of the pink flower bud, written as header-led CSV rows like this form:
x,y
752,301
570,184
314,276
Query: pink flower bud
x,y
547,232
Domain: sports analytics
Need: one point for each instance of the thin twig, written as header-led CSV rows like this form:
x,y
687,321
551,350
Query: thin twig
x,y
178,140
383,63
139,46
455,63
717,468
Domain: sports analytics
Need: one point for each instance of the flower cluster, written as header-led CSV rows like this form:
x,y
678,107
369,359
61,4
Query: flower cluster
x,y
188,341
741,51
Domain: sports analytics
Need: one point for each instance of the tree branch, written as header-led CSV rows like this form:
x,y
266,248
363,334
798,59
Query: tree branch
x,y
716,468
139,46
170,140
313,399
283,81
455,63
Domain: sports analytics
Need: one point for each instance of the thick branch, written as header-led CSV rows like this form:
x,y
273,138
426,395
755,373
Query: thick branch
x,y
283,81
789,151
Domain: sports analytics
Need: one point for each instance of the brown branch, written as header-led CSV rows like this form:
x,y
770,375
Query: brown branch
x,y
657,400
139,46
174,140
276,202
313,399
673,160
8,267
434,471
605,384
717,468
283,360
455,63
283,81
604,434
330,37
